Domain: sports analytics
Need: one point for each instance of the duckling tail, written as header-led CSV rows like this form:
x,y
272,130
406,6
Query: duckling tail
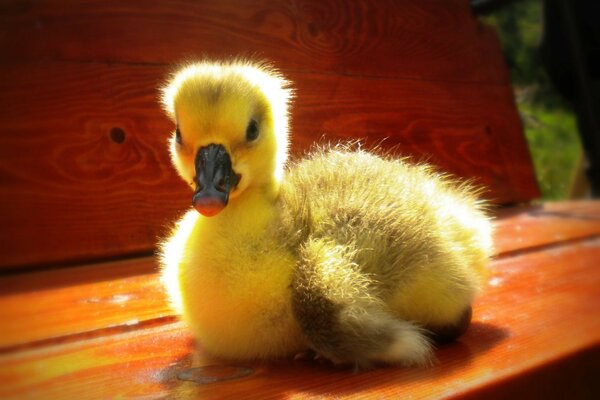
x,y
342,319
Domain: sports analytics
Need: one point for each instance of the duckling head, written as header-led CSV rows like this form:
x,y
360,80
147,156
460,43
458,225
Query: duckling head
x,y
231,134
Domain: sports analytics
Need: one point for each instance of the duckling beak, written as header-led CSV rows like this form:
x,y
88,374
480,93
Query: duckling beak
x,y
214,179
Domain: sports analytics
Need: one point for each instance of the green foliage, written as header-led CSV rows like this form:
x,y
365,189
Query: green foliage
x,y
519,27
549,123
554,144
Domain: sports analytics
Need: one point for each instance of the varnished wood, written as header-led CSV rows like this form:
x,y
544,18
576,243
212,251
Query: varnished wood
x,y
84,175
519,228
470,131
71,190
427,39
45,305
539,309
65,302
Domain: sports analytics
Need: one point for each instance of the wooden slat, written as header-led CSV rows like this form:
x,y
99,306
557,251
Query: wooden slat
x,y
540,312
470,130
71,301
49,305
523,227
426,39
71,189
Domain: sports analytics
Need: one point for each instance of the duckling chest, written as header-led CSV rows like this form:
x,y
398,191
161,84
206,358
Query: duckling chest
x,y
238,285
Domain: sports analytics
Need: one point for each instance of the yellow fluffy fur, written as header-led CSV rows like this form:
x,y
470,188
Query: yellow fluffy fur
x,y
347,252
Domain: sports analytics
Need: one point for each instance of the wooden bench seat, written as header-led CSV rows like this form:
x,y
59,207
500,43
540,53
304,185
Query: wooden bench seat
x,y
87,190
106,332
128,292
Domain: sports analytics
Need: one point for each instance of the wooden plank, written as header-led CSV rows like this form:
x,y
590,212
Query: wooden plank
x,y
539,313
71,188
71,301
523,227
48,305
472,131
85,171
426,39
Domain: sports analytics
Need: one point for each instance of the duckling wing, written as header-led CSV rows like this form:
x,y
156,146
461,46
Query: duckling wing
x,y
382,242
341,316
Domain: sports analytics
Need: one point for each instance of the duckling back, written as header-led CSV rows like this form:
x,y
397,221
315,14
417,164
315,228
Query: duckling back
x,y
386,249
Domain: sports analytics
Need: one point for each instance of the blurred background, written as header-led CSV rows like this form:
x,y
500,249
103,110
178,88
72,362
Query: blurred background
x,y
534,36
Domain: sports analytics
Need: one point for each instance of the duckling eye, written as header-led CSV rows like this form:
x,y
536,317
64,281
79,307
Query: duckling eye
x,y
252,131
177,135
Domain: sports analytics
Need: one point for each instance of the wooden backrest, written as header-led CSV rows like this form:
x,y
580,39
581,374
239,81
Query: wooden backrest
x,y
84,168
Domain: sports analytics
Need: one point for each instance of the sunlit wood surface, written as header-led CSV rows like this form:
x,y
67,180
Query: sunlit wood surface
x,y
108,333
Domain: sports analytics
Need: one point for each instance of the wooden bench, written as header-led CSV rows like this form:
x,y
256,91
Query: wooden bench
x,y
86,190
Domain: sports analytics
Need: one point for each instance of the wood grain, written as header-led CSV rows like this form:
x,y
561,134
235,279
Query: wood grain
x,y
69,190
524,227
48,306
472,131
85,175
72,190
538,314
427,39
80,300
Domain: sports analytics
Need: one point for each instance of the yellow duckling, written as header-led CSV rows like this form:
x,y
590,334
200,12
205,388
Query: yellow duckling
x,y
359,257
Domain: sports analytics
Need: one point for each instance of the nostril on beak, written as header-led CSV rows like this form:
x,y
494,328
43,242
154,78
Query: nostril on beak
x,y
199,185
221,185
